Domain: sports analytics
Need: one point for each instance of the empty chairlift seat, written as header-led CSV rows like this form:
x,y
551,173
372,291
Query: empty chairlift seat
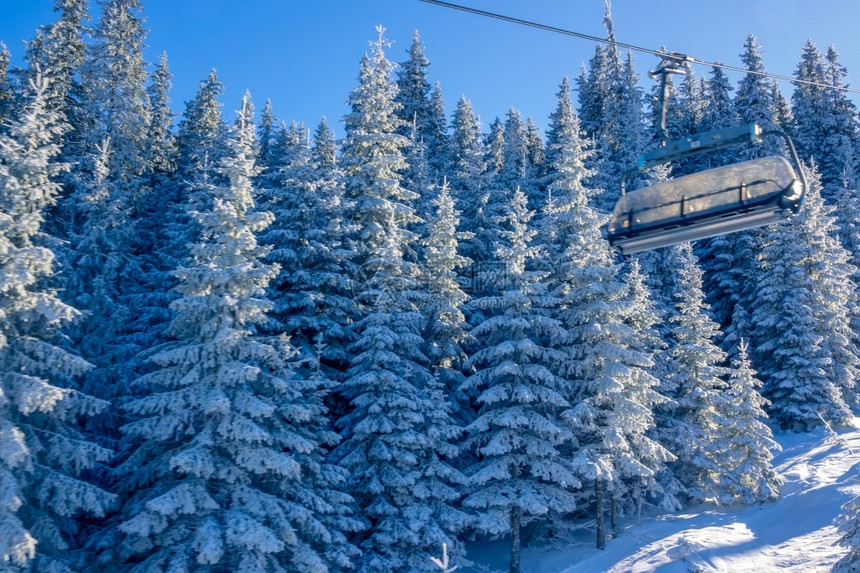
x,y
713,202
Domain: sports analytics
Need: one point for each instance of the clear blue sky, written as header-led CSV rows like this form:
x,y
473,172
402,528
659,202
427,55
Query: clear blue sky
x,y
304,54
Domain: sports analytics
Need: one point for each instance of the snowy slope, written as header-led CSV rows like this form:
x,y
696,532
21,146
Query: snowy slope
x,y
794,534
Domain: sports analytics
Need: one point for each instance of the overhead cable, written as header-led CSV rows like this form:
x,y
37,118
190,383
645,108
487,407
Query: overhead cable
x,y
658,53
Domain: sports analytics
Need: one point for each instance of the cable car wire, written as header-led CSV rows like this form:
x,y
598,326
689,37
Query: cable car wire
x,y
658,53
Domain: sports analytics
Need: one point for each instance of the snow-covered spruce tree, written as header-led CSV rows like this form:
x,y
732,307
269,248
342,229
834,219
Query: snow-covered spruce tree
x,y
838,168
606,367
535,150
446,337
466,150
729,260
201,129
413,90
42,450
807,356
97,251
58,53
436,137
825,130
160,140
755,102
6,95
696,429
849,529
505,168
660,266
519,438
416,178
691,115
594,81
116,103
646,319
466,170
517,170
227,471
807,103
422,110
148,295
620,125
103,206
396,428
748,476
266,139
312,292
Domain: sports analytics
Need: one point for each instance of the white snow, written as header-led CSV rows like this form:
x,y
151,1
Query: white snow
x,y
794,534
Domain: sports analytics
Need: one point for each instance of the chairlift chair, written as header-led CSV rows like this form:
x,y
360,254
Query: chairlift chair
x,y
713,202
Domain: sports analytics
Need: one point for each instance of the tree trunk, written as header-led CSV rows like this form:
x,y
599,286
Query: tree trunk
x,y
516,519
598,510
638,493
613,516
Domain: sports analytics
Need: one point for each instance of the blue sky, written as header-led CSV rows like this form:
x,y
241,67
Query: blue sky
x,y
304,54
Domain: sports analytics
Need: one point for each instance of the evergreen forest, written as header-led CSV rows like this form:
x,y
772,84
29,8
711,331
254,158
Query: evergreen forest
x,y
232,344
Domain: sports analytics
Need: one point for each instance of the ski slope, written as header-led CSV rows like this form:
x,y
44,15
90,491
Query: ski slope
x,y
794,534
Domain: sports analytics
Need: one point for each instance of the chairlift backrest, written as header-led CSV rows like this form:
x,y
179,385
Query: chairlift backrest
x,y
722,200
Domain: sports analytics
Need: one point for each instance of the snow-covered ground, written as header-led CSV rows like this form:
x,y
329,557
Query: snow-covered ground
x,y
795,534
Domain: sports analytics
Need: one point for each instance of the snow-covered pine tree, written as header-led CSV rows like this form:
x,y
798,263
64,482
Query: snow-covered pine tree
x,y
729,260
748,476
646,319
535,161
422,111
42,450
838,167
620,125
517,170
519,438
266,139
312,294
397,428
807,104
148,296
466,170
104,205
506,168
160,140
201,130
755,102
594,80
413,90
5,85
806,351
446,337
849,529
691,115
825,130
695,431
557,122
58,53
622,135
417,179
723,280
117,104
97,251
436,137
607,366
227,470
